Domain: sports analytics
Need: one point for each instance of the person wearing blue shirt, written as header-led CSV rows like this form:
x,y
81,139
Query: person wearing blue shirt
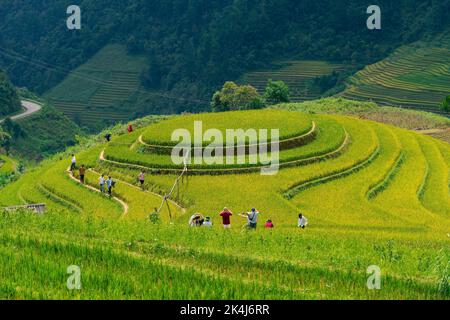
x,y
109,184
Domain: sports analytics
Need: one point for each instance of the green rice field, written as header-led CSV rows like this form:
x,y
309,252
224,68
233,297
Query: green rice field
x,y
415,76
374,194
297,74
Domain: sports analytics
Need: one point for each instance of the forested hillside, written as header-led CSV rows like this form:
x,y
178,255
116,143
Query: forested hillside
x,y
37,135
192,47
9,100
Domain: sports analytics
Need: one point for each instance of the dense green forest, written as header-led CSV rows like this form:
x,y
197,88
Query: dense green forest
x,y
9,99
193,47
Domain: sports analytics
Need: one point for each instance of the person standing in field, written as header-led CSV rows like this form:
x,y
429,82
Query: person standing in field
x,y
226,221
302,221
73,163
110,185
108,137
252,218
82,173
142,179
130,128
101,182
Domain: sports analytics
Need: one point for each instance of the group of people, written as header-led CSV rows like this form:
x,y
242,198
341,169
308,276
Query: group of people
x,y
252,220
81,170
108,135
197,220
108,182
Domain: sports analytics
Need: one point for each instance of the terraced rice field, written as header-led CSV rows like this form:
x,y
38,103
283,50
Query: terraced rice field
x,y
95,94
373,194
442,134
298,75
414,76
7,165
8,170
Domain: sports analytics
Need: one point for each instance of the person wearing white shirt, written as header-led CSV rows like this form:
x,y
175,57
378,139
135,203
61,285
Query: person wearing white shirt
x,y
101,182
252,218
207,222
302,221
73,163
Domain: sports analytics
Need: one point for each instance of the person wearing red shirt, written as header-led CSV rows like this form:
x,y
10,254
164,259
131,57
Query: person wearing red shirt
x,y
226,214
269,224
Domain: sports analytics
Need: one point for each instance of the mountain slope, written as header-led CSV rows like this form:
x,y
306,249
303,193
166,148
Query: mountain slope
x,y
298,75
9,99
106,90
193,47
415,76
42,133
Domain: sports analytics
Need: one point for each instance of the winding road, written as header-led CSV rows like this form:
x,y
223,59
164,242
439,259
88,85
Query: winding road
x,y
30,108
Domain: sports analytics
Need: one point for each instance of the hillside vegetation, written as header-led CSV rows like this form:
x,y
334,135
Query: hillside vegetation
x,y
44,134
8,170
193,47
414,76
7,165
41,134
106,90
9,99
298,75
363,185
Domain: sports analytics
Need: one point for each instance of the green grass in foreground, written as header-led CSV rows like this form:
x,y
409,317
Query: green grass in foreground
x,y
130,260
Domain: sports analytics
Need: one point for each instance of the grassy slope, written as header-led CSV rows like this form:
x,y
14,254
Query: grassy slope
x,y
299,76
254,119
8,170
416,76
7,165
46,133
329,138
104,90
348,231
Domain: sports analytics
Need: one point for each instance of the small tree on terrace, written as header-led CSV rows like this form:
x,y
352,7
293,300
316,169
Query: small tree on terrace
x,y
446,104
234,97
277,92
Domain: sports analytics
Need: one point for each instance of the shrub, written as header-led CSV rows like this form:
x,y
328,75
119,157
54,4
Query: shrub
x,y
234,97
277,92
